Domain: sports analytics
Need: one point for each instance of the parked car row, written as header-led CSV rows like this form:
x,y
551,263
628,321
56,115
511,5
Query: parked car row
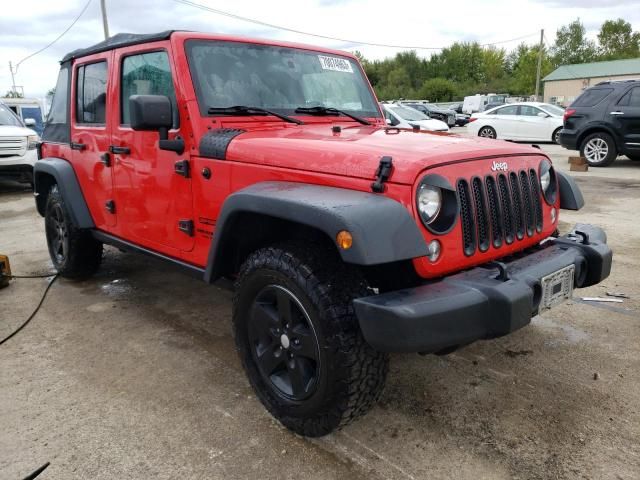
x,y
403,116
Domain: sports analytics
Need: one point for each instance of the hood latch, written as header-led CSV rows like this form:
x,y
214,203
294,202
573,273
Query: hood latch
x,y
382,174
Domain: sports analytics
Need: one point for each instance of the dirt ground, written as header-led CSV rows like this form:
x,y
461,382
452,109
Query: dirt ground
x,y
133,374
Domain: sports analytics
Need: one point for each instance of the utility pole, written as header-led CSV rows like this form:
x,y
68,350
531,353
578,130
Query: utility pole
x,y
13,78
539,63
105,24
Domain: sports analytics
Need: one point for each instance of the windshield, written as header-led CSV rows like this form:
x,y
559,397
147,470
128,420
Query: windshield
x,y
552,109
407,113
281,79
7,117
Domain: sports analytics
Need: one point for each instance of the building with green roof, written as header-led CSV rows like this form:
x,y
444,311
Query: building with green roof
x,y
566,82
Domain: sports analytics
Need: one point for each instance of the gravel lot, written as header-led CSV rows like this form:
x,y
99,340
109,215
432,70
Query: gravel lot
x,y
133,374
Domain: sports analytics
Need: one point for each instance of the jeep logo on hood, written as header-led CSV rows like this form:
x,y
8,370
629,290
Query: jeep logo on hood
x,y
499,166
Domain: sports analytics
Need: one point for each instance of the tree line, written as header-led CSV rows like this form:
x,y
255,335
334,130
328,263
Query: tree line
x,y
467,68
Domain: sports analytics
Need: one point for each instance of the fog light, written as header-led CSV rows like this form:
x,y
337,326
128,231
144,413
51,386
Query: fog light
x,y
344,239
433,250
553,215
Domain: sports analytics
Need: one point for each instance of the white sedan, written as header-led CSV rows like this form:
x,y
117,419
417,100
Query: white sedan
x,y
525,121
402,116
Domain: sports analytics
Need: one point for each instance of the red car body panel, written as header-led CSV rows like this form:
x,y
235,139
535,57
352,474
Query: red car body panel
x,y
150,198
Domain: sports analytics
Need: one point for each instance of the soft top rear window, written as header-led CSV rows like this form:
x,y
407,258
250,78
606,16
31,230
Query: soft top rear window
x,y
592,97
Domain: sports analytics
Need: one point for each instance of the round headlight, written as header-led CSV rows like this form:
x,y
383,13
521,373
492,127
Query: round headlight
x,y
429,202
548,182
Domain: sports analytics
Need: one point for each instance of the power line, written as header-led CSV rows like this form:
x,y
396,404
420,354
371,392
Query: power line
x,y
57,38
326,37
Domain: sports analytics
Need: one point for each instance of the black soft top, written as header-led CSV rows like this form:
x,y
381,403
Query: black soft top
x,y
117,41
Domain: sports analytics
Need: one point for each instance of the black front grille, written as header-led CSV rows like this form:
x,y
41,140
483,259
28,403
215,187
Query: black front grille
x,y
499,209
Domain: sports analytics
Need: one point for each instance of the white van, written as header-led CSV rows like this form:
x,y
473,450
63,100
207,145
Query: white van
x,y
29,110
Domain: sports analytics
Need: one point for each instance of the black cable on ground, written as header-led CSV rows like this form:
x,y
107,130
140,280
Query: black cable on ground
x,y
33,276
38,471
33,314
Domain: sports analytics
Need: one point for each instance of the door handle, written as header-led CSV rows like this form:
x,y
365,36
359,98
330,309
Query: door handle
x,y
77,146
616,113
119,150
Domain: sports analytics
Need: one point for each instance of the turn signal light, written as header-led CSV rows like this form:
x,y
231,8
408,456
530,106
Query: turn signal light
x,y
344,239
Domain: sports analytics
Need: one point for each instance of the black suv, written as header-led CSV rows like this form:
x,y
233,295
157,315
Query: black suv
x,y
604,122
432,111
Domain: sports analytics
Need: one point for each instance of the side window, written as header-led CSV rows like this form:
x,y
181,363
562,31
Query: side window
x,y
146,74
388,116
631,98
528,111
58,110
510,110
91,93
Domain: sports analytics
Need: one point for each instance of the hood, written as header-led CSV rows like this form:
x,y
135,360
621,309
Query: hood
x,y
356,150
12,131
430,124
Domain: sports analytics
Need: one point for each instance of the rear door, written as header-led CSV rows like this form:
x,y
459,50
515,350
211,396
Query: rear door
x,y
90,137
625,117
531,126
153,199
505,121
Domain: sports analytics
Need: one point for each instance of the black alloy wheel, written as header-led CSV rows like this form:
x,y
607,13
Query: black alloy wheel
x,y
284,343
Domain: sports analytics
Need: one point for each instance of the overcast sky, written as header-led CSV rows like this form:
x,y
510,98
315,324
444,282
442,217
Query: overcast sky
x,y
28,25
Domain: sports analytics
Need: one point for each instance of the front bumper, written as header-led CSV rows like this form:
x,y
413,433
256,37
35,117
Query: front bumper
x,y
478,304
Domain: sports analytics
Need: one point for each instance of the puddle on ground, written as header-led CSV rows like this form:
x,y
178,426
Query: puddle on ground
x,y
117,288
573,335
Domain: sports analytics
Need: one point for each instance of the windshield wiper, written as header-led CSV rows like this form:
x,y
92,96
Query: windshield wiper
x,y
319,110
244,110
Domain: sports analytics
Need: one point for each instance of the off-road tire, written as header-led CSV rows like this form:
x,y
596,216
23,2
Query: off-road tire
x,y
607,142
351,373
73,251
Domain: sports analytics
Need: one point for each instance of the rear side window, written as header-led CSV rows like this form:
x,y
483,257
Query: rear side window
x,y
58,110
91,93
510,110
146,74
631,98
592,97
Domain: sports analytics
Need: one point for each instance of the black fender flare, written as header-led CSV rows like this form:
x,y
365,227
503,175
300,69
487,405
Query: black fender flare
x,y
570,195
595,127
63,174
383,229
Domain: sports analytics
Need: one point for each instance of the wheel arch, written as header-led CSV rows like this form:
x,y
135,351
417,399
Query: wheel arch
x,y
595,129
383,230
50,171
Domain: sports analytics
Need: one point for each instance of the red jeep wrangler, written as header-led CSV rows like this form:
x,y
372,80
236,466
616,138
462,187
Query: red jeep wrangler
x,y
271,164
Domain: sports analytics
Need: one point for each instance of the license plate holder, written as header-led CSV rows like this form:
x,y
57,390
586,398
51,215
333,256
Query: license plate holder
x,y
557,287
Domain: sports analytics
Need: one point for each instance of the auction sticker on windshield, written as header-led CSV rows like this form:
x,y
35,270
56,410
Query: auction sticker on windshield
x,y
336,64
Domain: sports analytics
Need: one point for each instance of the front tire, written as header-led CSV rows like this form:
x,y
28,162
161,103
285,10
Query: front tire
x,y
635,158
300,342
73,251
599,149
487,132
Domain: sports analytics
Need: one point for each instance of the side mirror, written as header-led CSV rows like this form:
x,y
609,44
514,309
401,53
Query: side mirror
x,y
388,120
29,122
154,112
543,115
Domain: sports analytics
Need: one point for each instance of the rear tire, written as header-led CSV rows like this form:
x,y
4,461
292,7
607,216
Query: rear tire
x,y
635,158
599,149
555,138
73,251
487,132
299,339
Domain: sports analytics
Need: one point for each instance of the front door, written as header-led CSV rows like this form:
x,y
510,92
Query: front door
x,y
625,117
90,137
153,201
532,126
